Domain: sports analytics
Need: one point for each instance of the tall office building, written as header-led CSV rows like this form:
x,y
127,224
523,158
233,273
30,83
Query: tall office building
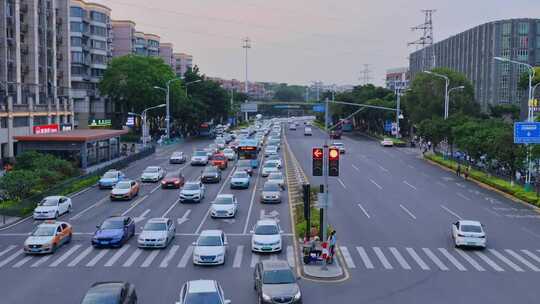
x,y
91,51
471,52
34,69
184,62
166,53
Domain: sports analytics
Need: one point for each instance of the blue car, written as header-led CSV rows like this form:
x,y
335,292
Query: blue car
x,y
114,232
110,179
240,180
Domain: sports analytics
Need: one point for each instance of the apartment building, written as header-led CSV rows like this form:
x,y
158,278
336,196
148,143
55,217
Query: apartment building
x,y
123,40
184,62
146,44
91,51
166,53
34,69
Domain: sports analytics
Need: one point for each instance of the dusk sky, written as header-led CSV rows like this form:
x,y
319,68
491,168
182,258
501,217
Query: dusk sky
x,y
299,41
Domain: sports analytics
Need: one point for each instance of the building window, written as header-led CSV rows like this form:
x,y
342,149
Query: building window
x,y
99,17
505,53
99,59
524,42
523,55
76,41
3,122
77,57
538,41
97,72
40,120
76,12
523,28
78,71
77,27
507,29
98,31
20,122
101,45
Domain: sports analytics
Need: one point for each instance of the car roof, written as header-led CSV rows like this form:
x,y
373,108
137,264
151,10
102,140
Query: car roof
x,y
153,167
202,286
266,222
275,265
53,197
472,223
52,224
193,182
116,217
212,232
225,195
107,286
158,220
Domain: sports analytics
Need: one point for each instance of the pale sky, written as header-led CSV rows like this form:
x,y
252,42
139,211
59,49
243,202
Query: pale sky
x,y
299,41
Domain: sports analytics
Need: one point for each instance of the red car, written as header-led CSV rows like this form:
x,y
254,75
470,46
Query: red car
x,y
173,180
220,160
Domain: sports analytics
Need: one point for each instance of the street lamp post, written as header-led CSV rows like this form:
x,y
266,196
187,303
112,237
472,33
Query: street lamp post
x,y
191,82
167,102
447,84
143,118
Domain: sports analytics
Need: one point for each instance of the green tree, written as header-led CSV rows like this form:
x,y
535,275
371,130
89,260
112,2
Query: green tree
x,y
289,93
19,184
508,112
524,79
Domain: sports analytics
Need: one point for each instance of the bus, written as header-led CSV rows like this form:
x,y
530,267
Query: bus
x,y
206,129
249,149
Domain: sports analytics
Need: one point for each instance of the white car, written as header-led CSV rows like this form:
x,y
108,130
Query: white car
x,y
157,233
266,236
469,234
292,127
152,174
51,207
275,161
210,248
277,177
308,131
199,158
225,205
199,291
340,146
387,142
177,158
275,158
269,168
229,153
270,150
192,192
220,143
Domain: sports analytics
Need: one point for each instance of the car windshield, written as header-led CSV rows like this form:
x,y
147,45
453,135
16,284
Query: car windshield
x,y
113,224
244,163
123,185
266,229
471,228
209,240
223,200
48,201
203,298
271,187
100,297
281,276
110,175
275,176
199,153
240,175
44,231
210,170
191,187
152,226
219,157
151,170
270,165
177,154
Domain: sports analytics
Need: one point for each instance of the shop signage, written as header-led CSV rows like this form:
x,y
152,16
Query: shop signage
x,y
44,129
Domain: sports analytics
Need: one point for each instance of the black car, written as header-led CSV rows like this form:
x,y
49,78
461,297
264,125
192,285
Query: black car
x,y
111,293
245,164
211,175
275,282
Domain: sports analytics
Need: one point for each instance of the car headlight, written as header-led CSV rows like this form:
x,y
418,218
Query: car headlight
x,y
161,240
196,256
46,245
298,295
266,297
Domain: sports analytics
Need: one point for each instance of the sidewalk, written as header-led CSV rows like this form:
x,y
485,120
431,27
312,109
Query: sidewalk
x,y
7,220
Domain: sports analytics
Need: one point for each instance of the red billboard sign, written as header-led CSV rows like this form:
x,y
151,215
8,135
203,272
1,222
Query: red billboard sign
x,y
44,129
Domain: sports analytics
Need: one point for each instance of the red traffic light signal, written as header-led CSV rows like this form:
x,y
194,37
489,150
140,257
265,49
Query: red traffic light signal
x,y
318,153
317,163
333,162
333,154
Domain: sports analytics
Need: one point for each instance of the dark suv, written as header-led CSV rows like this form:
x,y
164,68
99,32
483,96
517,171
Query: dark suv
x,y
111,293
211,175
275,282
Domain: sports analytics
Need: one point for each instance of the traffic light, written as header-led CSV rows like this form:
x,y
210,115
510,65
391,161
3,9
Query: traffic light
x,y
333,162
317,168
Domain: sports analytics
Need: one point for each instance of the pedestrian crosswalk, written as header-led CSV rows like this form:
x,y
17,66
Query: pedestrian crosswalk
x,y
175,256
440,259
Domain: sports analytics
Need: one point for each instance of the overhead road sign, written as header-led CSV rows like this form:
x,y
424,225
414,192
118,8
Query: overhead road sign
x,y
527,132
249,107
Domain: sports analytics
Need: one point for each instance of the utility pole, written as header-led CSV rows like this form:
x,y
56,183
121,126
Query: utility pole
x,y
366,78
246,45
426,41
325,170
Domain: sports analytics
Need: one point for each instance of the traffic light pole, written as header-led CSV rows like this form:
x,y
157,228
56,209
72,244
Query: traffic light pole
x,y
325,173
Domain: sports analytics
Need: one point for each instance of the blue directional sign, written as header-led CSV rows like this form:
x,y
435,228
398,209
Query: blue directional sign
x,y
388,126
527,133
318,108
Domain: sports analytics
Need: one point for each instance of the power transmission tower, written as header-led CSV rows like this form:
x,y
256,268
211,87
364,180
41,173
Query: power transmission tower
x,y
426,41
366,77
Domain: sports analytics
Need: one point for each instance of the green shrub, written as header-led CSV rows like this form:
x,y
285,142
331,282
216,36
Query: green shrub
x,y
19,184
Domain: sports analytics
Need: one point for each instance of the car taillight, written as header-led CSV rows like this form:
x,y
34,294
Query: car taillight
x,y
163,182
177,182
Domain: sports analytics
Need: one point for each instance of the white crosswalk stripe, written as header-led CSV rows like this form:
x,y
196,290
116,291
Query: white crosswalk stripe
x,y
469,259
417,258
41,260
347,257
185,258
238,256
505,260
290,255
522,260
435,259
22,262
169,256
382,258
65,255
488,261
10,247
132,258
531,255
150,258
81,256
116,256
365,258
402,262
98,257
452,259
11,257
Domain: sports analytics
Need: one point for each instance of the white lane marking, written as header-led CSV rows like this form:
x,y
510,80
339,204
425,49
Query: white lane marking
x,y
365,258
81,256
272,257
154,190
522,260
452,259
531,255
22,262
132,258
10,247
169,256
410,166
11,257
116,256
174,204
469,259
406,183
255,258
356,168
150,258
382,258
401,260
347,256
505,260
184,217
435,259
492,212
531,232
238,256
376,185
488,261
251,202
407,211
417,258
342,184
185,258
382,168
141,217
98,203
135,204
65,256
463,196
441,184
363,210
81,192
202,222
41,261
451,212
290,255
